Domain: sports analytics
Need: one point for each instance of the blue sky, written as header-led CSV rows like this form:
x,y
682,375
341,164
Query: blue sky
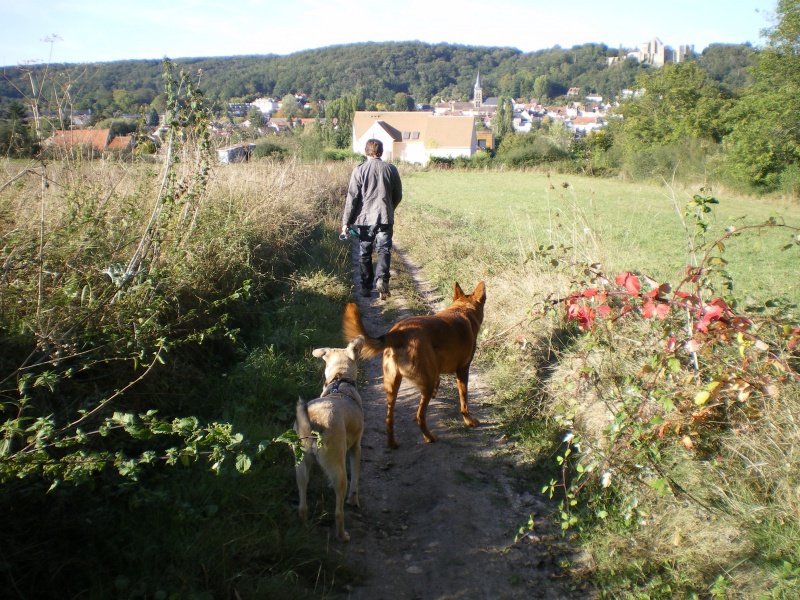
x,y
99,31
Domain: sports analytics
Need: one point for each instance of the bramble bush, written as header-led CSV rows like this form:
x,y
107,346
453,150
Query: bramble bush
x,y
680,400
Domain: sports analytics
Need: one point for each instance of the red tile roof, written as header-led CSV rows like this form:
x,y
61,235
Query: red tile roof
x,y
96,138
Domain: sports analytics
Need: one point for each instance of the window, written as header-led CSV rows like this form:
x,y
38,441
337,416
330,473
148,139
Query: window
x,y
415,135
406,135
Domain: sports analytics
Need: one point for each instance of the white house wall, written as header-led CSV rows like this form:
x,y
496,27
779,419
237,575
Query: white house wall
x,y
413,153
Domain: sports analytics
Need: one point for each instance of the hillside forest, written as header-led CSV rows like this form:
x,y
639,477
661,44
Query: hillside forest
x,y
722,116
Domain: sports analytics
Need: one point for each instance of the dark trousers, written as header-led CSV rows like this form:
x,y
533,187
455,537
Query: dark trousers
x,y
378,238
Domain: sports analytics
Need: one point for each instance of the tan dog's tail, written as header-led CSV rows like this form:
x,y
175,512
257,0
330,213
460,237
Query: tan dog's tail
x,y
353,326
303,424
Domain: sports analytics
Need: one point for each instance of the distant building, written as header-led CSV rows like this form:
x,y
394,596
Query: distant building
x,y
415,137
266,105
239,109
235,153
655,53
97,139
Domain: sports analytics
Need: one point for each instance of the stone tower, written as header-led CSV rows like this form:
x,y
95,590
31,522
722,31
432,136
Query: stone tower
x,y
477,96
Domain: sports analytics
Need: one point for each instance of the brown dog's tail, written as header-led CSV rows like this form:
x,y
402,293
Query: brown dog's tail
x,y
353,326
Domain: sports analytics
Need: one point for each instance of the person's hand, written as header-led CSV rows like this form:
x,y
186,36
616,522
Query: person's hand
x,y
344,230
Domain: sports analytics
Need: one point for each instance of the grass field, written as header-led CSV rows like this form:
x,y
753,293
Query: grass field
x,y
728,526
637,227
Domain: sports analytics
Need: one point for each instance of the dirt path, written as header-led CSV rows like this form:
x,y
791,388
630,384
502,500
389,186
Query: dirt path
x,y
437,521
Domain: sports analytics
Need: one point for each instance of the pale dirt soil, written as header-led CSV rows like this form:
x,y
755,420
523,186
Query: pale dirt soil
x,y
437,521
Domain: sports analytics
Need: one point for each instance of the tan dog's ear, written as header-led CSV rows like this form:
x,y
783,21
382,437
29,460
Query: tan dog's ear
x,y
354,347
320,352
458,292
479,295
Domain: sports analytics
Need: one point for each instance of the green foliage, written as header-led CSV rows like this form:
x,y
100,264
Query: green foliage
x,y
535,148
763,142
114,323
502,123
679,101
147,322
17,137
118,126
269,148
710,374
256,117
338,154
378,71
729,65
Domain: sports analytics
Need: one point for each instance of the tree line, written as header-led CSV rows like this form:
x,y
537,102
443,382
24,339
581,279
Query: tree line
x,y
726,113
377,71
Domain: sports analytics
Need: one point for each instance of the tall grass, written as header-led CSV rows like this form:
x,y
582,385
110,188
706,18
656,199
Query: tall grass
x,y
711,514
240,281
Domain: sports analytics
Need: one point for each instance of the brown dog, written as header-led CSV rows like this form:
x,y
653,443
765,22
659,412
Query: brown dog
x,y
422,348
338,418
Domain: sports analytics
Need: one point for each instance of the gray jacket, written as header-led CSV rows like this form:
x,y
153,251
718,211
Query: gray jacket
x,y
373,194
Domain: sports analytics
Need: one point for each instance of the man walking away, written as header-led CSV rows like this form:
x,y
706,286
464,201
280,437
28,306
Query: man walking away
x,y
372,196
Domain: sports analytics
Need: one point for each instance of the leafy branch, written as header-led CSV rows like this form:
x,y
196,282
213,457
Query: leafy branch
x,y
709,362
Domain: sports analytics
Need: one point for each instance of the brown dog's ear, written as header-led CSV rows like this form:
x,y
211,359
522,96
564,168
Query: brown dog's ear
x,y
354,347
458,292
320,352
479,294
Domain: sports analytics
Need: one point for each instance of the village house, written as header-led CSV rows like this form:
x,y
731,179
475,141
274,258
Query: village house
x,y
415,137
98,140
266,105
586,123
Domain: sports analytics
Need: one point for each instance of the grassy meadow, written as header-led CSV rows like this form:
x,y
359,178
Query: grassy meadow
x,y
695,500
640,227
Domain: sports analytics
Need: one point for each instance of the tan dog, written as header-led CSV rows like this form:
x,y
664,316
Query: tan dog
x,y
422,348
338,417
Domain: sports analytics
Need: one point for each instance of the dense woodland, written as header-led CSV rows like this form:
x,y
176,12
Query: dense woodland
x,y
378,71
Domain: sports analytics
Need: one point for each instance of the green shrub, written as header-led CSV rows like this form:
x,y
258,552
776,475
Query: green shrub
x,y
340,154
267,148
441,162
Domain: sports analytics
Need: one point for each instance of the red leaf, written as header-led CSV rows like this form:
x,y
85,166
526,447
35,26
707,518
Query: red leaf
x,y
711,312
794,340
662,310
604,310
591,292
630,281
649,309
584,315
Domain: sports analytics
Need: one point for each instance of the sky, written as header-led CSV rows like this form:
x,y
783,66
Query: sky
x,y
89,31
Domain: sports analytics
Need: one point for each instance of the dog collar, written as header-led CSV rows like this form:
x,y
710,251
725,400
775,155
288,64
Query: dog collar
x,y
334,385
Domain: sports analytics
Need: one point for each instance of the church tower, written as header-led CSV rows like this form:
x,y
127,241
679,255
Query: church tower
x,y
477,97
